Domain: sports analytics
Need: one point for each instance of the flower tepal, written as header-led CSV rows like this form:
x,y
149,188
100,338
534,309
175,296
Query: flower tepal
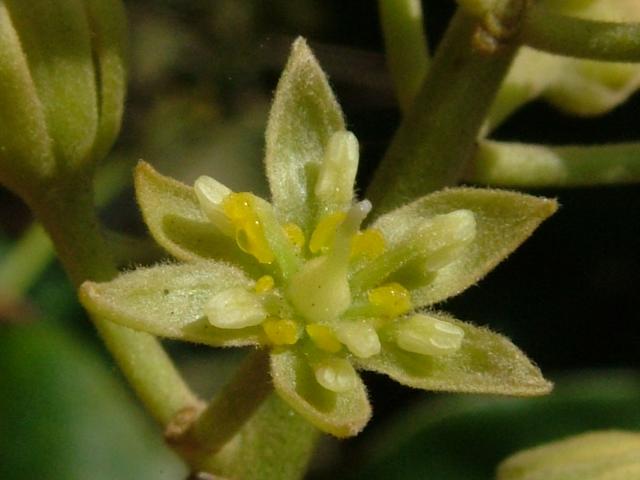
x,y
310,276
323,311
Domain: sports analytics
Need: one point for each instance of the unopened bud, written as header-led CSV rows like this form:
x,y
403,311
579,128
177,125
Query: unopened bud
x,y
62,86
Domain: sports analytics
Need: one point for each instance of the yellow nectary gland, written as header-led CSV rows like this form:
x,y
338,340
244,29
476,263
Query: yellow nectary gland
x,y
368,244
324,233
281,331
323,337
264,284
392,299
295,235
239,209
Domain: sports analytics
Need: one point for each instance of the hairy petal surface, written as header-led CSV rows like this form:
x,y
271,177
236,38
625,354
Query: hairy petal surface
x,y
486,362
340,414
169,301
303,117
174,218
503,221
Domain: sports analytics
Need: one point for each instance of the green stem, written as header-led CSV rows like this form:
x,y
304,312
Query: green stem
x,y
406,47
576,37
522,165
229,411
437,137
26,261
31,254
67,213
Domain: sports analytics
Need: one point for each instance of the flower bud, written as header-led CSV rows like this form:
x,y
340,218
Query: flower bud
x,y
578,86
62,84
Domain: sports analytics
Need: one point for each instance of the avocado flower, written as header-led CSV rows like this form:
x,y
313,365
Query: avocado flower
x,y
311,277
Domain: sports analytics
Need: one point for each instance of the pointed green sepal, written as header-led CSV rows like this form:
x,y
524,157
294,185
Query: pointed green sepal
x,y
170,301
109,37
485,362
342,414
175,219
27,148
503,220
56,38
606,455
303,118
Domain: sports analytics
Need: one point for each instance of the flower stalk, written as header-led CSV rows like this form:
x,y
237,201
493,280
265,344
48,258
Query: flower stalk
x,y
437,136
566,35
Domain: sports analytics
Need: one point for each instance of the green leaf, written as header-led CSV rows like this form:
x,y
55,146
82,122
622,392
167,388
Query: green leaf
x,y
60,60
503,221
169,301
174,218
303,117
340,414
464,437
64,415
607,455
485,363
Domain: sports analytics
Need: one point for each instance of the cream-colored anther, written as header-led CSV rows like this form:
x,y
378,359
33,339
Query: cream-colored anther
x,y
211,194
234,308
336,374
428,335
360,338
338,170
444,237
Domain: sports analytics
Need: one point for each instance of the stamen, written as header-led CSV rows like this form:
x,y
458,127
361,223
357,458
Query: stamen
x,y
264,284
211,195
336,374
281,331
434,243
234,308
239,209
323,337
367,244
320,289
448,235
427,335
392,299
334,188
360,338
295,235
348,229
325,231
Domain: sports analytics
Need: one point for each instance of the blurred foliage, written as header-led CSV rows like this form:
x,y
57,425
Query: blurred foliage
x,y
202,73
464,438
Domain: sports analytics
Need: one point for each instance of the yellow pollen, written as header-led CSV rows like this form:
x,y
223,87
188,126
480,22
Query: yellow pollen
x,y
323,337
322,236
393,299
368,244
238,207
264,284
295,235
281,331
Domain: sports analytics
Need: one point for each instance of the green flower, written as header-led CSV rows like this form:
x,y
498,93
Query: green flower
x,y
311,278
577,86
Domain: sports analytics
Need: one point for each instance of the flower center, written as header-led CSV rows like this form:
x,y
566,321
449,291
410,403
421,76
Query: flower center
x,y
338,293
